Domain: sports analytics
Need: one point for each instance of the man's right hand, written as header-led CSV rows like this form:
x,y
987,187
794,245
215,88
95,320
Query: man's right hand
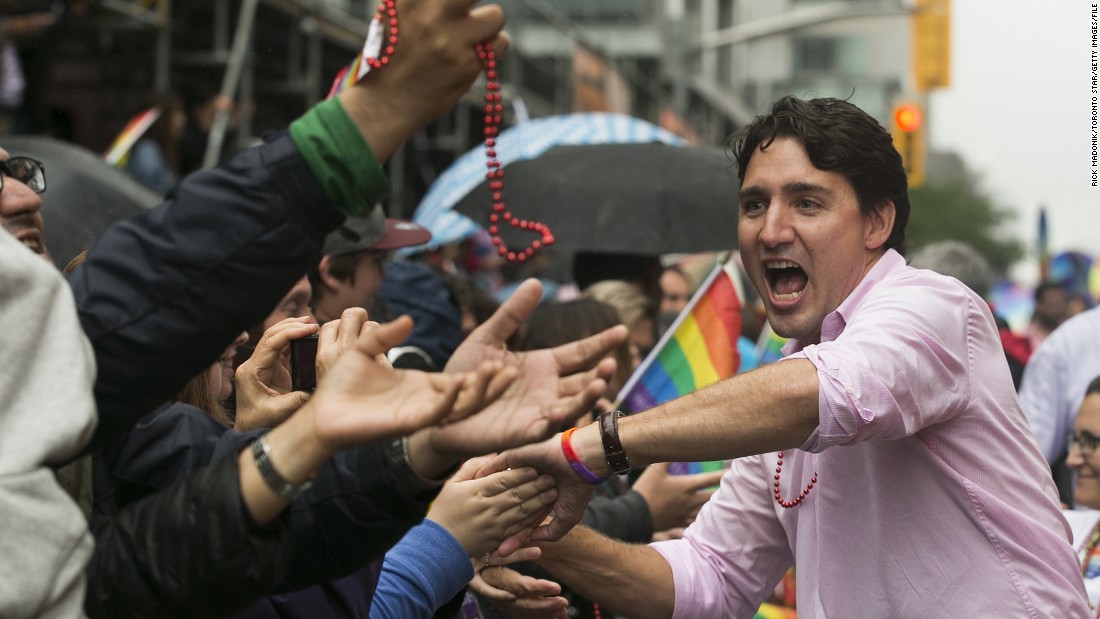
x,y
573,493
433,65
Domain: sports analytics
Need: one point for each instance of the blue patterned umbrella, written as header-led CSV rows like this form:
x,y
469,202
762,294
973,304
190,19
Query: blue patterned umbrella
x,y
524,141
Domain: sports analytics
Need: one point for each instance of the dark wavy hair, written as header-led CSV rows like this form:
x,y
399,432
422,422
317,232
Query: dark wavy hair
x,y
838,137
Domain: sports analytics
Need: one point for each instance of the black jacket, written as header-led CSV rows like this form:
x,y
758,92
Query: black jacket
x,y
356,509
151,562
160,296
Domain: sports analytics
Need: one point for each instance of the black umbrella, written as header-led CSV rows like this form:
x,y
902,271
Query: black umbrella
x,y
83,193
647,198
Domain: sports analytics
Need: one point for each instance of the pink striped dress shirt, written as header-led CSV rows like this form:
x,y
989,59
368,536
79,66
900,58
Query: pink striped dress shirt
x,y
932,498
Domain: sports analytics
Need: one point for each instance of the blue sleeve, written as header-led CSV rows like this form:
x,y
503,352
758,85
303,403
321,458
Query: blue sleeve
x,y
423,571
148,166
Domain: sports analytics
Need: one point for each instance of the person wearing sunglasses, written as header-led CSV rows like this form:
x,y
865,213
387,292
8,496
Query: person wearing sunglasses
x,y
1083,459
19,202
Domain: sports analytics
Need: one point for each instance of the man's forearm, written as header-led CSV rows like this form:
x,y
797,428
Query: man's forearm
x,y
769,409
627,579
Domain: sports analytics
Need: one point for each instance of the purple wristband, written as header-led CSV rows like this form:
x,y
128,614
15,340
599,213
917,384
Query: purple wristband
x,y
578,467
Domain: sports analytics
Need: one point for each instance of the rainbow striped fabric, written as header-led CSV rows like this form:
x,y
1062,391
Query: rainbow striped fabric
x,y
699,348
356,69
130,134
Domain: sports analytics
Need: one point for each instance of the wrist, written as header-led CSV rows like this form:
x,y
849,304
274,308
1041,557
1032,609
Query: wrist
x,y
589,449
582,471
425,460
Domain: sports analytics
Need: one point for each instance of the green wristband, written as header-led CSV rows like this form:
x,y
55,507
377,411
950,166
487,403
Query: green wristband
x,y
339,157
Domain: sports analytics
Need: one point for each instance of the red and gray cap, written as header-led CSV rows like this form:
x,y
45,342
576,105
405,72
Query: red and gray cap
x,y
376,232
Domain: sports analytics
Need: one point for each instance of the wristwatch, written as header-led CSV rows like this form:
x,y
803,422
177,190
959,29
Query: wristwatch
x,y
261,454
612,447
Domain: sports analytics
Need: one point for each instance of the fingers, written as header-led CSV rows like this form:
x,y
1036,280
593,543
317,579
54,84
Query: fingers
x,y
493,465
279,336
501,380
510,480
570,409
527,553
701,481
520,585
485,23
481,388
579,381
502,44
468,469
582,354
378,340
510,315
344,332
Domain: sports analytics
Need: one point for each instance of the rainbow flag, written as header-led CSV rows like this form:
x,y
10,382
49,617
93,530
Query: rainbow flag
x,y
346,77
130,134
771,611
357,68
699,348
769,347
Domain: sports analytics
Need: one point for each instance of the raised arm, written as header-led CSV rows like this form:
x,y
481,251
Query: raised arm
x,y
161,294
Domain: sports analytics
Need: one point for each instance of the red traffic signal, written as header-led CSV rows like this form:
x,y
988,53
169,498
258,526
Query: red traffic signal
x,y
907,117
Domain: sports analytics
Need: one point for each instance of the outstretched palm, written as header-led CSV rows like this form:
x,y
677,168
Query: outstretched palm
x,y
554,386
363,399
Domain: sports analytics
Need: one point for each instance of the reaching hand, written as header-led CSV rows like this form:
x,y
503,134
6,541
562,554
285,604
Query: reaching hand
x,y
480,513
553,387
433,65
263,393
337,336
362,399
674,500
573,493
515,594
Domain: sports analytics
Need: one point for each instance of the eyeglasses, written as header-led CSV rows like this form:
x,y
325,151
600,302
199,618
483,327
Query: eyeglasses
x,y
28,171
1085,441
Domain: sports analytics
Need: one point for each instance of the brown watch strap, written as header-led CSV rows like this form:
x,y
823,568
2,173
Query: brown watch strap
x,y
612,446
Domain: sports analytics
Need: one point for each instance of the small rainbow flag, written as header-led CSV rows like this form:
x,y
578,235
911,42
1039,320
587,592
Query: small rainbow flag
x,y
346,77
769,347
771,611
130,134
699,348
357,68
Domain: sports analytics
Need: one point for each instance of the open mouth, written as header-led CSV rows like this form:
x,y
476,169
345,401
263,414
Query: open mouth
x,y
786,280
31,239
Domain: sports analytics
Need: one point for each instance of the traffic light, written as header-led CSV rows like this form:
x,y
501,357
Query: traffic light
x,y
931,44
907,130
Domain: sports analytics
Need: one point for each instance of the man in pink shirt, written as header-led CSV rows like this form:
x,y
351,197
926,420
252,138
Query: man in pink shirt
x,y
886,456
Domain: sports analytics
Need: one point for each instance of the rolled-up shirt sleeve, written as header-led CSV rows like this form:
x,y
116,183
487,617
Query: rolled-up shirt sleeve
x,y
894,372
731,557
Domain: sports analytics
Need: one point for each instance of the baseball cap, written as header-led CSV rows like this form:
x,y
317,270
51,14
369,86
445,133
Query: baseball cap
x,y
374,231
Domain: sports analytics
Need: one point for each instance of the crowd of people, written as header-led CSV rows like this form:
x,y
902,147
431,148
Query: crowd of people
x,y
450,454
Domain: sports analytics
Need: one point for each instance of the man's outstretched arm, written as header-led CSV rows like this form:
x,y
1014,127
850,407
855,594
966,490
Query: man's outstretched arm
x,y
632,580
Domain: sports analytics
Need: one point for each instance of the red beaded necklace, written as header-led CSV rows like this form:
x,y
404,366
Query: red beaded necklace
x,y
387,15
495,175
801,495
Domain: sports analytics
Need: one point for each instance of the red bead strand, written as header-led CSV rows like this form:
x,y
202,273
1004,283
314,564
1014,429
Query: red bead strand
x,y
801,495
494,114
387,16
494,111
